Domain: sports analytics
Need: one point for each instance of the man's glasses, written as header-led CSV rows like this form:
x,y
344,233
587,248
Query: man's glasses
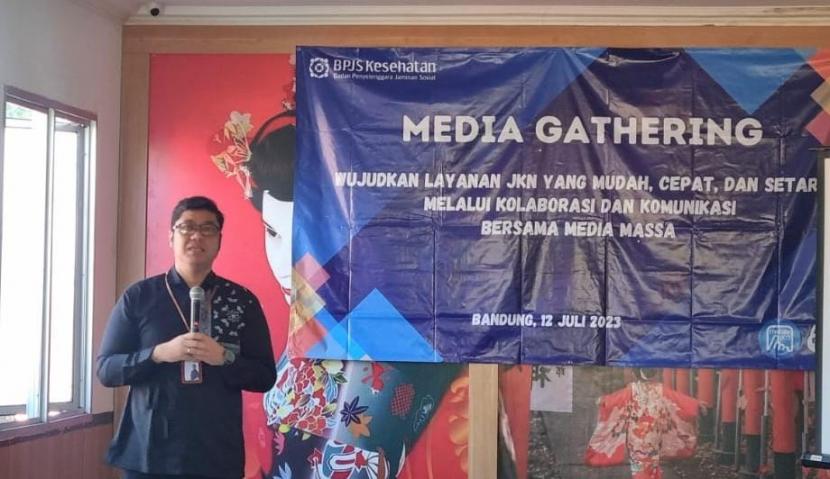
x,y
205,229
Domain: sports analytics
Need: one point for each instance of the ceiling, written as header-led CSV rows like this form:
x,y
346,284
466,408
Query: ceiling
x,y
133,5
525,12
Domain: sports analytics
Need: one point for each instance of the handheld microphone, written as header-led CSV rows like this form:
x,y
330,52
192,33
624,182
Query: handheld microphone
x,y
197,297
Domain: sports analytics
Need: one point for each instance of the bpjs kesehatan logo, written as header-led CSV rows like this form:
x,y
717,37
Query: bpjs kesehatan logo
x,y
363,69
319,68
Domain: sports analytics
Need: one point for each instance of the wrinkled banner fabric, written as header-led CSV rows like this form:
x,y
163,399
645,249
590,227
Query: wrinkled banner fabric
x,y
561,205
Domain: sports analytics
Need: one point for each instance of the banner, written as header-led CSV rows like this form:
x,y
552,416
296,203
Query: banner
x,y
649,207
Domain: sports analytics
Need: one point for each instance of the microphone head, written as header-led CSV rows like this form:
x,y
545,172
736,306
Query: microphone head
x,y
197,293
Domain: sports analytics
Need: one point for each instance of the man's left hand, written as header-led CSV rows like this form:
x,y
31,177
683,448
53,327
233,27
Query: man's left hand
x,y
202,347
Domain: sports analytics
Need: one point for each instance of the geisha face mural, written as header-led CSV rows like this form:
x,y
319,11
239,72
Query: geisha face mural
x,y
276,217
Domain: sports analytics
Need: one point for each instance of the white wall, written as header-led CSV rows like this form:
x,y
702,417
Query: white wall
x,y
72,54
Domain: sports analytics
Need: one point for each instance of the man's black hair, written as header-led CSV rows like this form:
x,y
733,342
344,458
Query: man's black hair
x,y
196,203
272,161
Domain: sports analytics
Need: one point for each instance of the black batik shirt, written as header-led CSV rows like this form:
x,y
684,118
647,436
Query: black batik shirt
x,y
169,427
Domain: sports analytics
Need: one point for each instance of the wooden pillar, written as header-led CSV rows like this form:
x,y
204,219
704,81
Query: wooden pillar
x,y
484,421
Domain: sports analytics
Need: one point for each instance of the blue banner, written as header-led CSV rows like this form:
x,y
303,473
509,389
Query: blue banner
x,y
557,205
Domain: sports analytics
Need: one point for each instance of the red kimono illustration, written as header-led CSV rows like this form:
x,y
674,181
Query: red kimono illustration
x,y
650,422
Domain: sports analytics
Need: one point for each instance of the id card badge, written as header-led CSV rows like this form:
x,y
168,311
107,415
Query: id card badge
x,y
191,372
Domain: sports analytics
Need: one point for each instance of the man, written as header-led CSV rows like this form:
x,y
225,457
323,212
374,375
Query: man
x,y
173,426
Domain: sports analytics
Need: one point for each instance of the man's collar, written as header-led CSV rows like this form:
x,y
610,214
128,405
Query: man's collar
x,y
177,280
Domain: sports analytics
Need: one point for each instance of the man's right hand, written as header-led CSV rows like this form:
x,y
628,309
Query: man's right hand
x,y
174,350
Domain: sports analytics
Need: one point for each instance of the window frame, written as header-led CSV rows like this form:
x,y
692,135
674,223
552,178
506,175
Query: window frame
x,y
86,128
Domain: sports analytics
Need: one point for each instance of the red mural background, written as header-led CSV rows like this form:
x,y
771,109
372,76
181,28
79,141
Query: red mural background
x,y
191,98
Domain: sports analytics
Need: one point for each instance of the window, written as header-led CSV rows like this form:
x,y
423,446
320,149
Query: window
x,y
47,156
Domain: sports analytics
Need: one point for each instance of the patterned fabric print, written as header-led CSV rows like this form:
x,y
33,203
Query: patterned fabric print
x,y
402,400
341,461
374,376
354,416
424,413
650,422
228,307
341,401
305,395
351,411
305,456
607,444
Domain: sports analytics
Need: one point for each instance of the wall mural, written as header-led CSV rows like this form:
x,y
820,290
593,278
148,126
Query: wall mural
x,y
223,126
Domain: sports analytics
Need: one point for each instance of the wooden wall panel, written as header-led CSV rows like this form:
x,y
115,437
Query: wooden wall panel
x,y
67,452
264,39
135,78
132,181
74,454
96,443
141,41
5,462
24,460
